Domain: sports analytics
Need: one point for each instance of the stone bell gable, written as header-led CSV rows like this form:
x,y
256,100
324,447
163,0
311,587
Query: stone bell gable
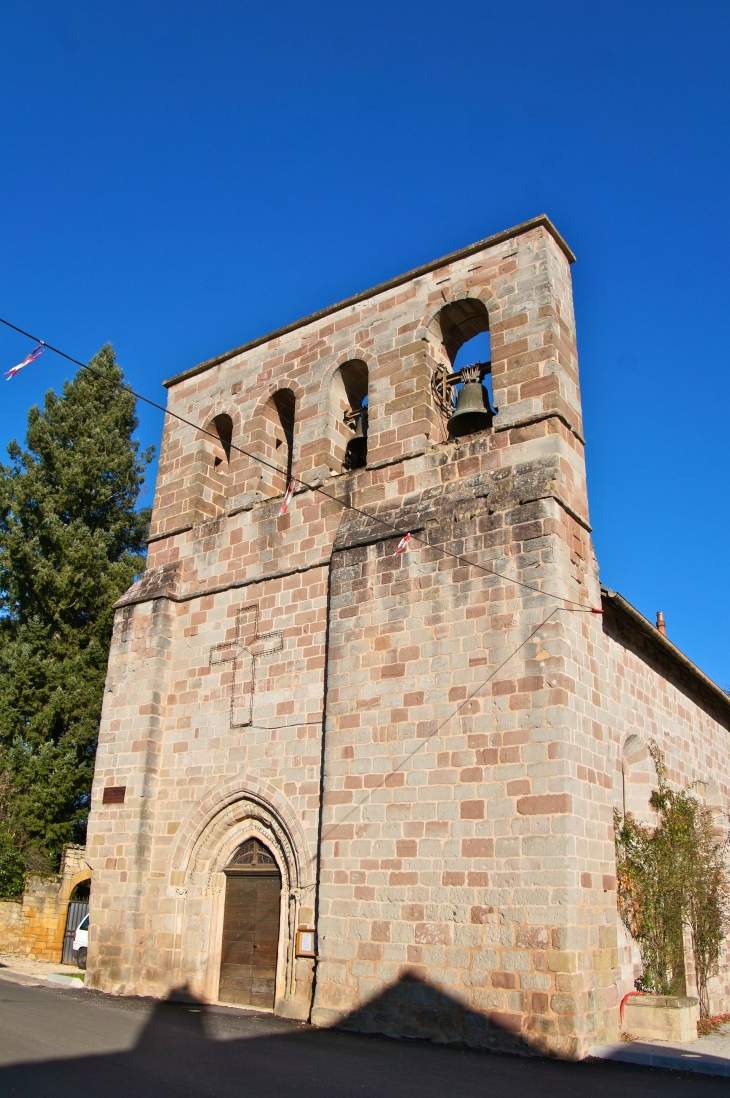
x,y
425,745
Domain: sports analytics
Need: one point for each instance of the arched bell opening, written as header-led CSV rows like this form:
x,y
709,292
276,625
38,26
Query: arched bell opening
x,y
460,322
466,391
351,396
251,927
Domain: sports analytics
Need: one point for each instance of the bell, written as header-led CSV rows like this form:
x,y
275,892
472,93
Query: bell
x,y
357,448
471,413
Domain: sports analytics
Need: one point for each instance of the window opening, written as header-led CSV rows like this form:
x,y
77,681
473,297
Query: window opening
x,y
639,778
252,855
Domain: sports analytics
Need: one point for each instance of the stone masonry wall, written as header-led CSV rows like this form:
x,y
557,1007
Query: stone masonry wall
x,y
29,926
457,827
641,697
428,746
34,924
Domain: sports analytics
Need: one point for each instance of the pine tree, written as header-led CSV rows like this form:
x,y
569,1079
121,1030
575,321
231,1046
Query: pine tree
x,y
71,542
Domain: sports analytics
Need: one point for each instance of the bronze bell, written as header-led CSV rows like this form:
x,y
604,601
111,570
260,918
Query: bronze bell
x,y
357,448
471,413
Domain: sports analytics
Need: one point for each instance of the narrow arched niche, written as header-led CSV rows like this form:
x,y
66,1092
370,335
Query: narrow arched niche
x,y
639,779
222,428
212,476
273,439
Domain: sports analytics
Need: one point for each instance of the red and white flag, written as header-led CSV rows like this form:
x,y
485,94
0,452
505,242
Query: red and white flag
x,y
26,361
287,498
402,544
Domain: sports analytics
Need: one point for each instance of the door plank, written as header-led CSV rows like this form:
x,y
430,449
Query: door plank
x,y
250,940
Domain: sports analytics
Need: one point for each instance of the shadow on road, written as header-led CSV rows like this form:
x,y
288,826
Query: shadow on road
x,y
178,1054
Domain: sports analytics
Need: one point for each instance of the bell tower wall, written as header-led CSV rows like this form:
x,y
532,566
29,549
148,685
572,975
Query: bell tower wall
x,y
409,730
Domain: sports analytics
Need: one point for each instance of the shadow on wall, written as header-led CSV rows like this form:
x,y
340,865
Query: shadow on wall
x,y
413,1008
187,1050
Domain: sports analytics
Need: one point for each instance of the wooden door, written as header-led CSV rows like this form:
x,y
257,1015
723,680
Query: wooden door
x,y
250,939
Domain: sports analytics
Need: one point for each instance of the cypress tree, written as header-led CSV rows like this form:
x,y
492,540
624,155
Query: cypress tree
x,y
71,542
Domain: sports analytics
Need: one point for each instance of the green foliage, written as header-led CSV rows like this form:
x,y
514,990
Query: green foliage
x,y
12,865
19,854
71,542
671,877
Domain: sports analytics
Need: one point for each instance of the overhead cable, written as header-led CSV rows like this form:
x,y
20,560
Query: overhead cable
x,y
574,607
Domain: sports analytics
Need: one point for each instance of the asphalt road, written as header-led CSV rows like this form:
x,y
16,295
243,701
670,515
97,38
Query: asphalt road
x,y
63,1043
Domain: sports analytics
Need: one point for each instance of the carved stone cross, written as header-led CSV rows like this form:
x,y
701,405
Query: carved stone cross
x,y
243,653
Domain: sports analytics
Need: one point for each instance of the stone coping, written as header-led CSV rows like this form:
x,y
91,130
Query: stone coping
x,y
462,253
637,623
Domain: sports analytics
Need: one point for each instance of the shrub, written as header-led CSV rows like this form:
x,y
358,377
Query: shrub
x,y
672,877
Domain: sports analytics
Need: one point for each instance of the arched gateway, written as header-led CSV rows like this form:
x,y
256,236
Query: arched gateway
x,y
250,927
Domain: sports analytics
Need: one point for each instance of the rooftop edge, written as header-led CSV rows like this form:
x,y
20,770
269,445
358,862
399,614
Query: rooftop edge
x,y
619,603
470,249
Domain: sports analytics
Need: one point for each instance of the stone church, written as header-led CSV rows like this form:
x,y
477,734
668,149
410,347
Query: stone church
x,y
372,785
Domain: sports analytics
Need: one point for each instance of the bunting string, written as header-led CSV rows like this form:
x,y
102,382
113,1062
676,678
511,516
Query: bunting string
x,y
26,361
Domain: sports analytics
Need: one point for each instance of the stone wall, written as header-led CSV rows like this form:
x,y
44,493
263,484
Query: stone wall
x,y
428,743
646,694
455,819
34,924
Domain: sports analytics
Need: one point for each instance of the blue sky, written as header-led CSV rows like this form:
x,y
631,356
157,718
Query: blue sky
x,y
179,177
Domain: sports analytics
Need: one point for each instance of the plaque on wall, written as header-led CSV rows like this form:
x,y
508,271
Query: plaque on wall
x,y
306,945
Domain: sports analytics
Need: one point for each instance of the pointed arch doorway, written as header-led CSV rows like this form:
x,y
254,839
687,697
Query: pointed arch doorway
x,y
250,927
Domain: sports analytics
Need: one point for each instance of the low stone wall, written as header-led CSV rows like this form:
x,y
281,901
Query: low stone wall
x,y
661,1018
34,924
30,926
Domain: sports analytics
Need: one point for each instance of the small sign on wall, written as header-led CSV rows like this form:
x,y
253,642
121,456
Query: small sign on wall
x,y
114,794
306,944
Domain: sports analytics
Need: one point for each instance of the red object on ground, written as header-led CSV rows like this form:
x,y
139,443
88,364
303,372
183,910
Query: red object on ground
x,y
621,1008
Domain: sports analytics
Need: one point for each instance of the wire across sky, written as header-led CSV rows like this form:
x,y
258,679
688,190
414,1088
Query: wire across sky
x,y
571,606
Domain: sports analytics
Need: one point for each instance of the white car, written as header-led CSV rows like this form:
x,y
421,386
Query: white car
x,y
81,942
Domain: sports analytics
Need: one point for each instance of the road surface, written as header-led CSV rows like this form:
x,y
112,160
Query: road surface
x,y
69,1043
